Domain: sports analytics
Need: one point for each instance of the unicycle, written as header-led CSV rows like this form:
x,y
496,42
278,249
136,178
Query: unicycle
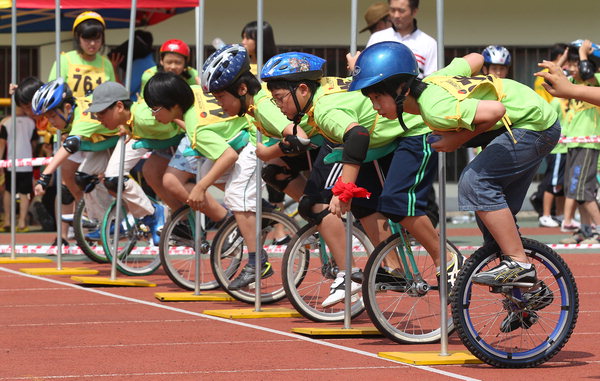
x,y
512,327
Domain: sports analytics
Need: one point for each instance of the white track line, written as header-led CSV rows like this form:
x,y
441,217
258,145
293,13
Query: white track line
x,y
238,323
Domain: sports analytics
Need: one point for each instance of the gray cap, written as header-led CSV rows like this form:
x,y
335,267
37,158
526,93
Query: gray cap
x,y
106,94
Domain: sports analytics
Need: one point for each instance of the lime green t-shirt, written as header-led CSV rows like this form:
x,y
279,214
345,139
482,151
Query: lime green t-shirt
x,y
561,106
149,73
145,126
335,112
209,129
83,76
85,125
584,121
441,110
267,117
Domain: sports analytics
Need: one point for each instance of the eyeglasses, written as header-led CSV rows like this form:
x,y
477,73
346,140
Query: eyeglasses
x,y
155,110
279,101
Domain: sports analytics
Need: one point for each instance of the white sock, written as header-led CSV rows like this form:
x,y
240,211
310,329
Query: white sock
x,y
524,265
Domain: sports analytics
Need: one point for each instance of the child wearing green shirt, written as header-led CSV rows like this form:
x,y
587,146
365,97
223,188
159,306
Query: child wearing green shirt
x,y
516,126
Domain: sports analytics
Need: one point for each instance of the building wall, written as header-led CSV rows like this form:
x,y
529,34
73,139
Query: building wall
x,y
535,23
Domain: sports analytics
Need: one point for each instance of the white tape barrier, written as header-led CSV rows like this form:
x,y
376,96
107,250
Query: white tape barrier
x,y
38,161
271,249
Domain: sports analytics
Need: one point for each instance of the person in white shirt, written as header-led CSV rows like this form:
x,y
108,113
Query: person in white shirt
x,y
404,29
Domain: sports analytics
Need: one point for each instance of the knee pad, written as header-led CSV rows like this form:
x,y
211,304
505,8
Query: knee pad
x,y
66,196
270,173
305,210
112,183
85,181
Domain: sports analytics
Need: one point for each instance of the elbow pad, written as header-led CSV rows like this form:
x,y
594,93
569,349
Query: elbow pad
x,y
72,144
587,69
356,145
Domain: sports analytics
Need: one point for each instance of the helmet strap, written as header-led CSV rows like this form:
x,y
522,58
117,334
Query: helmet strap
x,y
301,111
69,117
399,99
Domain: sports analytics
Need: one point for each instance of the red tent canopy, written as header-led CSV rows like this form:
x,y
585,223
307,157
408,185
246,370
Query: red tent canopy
x,y
99,4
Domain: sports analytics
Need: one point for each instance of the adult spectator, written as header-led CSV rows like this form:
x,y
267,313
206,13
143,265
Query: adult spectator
x,y
377,17
404,29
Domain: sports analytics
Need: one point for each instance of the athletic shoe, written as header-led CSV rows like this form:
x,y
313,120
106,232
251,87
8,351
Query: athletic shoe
x,y
548,222
155,222
248,276
514,320
539,298
452,270
94,235
572,227
65,242
384,275
337,292
594,239
576,238
507,273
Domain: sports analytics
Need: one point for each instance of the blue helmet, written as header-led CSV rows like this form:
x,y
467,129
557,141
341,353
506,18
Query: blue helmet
x,y
381,61
595,48
293,66
223,67
496,55
50,96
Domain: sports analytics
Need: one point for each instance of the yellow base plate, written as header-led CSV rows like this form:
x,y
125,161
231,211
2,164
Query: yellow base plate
x,y
64,271
249,313
190,297
366,331
8,260
432,358
112,282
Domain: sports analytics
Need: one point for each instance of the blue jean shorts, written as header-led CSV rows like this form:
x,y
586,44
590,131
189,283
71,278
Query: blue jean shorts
x,y
184,163
500,175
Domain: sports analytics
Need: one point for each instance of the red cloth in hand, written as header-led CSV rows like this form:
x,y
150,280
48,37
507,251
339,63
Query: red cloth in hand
x,y
347,191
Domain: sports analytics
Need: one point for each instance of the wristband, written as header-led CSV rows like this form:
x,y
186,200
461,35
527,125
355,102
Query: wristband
x,y
44,180
347,191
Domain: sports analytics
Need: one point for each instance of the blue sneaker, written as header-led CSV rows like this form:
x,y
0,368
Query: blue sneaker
x,y
93,236
155,222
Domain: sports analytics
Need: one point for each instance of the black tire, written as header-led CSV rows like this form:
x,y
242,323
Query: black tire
x,y
307,277
82,226
407,308
177,252
138,256
227,264
478,312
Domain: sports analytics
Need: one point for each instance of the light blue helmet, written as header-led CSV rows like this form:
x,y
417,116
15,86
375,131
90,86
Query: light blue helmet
x,y
595,48
293,66
496,55
381,61
50,96
223,67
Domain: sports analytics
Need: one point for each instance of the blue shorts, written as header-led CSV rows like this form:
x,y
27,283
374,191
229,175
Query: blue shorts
x,y
184,163
500,174
324,176
554,177
409,179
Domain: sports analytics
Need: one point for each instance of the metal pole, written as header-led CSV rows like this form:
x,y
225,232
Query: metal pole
x,y
349,218
201,226
58,200
259,244
442,201
117,225
13,112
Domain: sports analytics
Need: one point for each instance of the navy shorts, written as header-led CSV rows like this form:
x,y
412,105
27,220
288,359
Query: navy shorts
x,y
409,179
324,176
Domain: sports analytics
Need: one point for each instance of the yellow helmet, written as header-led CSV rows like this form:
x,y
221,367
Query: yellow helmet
x,y
88,15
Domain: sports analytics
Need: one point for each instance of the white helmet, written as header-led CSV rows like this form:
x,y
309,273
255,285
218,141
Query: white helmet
x,y
496,55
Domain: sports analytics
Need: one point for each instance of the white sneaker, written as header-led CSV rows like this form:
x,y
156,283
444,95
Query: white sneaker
x,y
548,222
337,292
71,233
